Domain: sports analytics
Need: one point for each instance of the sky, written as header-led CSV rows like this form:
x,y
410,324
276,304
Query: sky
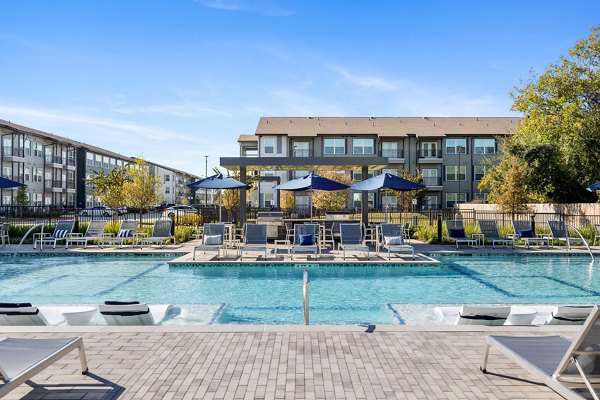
x,y
176,80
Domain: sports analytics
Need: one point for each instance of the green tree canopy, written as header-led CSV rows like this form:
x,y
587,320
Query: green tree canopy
x,y
142,189
110,188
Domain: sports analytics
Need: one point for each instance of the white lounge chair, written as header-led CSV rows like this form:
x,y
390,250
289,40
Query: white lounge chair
x,y
491,316
161,233
569,315
489,230
524,231
255,239
127,231
306,239
392,239
456,233
560,233
21,359
351,239
21,314
4,233
62,231
133,313
567,367
213,239
94,231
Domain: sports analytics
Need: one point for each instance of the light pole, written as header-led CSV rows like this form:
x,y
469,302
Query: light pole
x,y
205,176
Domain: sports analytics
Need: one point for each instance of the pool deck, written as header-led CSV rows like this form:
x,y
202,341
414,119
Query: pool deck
x,y
277,362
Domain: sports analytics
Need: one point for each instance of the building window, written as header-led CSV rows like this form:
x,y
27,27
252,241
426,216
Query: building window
x,y
37,176
430,177
453,174
357,175
429,150
485,146
362,146
393,171
390,149
112,163
269,145
167,178
6,200
37,150
453,198
301,149
90,159
299,174
269,199
27,147
105,163
479,172
167,190
480,197
456,146
7,172
357,200
430,202
334,146
389,200
119,163
70,199
98,161
7,146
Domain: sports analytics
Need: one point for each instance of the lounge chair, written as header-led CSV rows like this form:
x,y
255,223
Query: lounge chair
x,y
524,231
94,231
569,315
255,239
4,237
127,231
491,316
456,233
21,314
351,239
161,233
392,239
306,239
21,359
489,230
560,233
62,231
567,367
213,239
133,313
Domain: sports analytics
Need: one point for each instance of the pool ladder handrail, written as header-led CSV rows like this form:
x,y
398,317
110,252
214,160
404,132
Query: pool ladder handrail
x,y
582,238
306,281
25,236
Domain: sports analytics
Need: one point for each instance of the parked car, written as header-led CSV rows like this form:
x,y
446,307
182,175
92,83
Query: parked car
x,y
98,211
131,210
169,212
164,206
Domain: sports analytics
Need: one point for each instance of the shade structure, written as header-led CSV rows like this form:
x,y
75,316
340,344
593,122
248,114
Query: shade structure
x,y
595,186
389,181
9,183
218,181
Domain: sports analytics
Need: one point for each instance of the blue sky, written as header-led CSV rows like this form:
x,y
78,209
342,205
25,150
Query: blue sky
x,y
176,80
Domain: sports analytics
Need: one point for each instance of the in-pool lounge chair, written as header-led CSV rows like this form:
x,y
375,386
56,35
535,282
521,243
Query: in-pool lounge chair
x,y
456,233
62,232
213,239
255,239
569,315
133,313
21,359
524,231
491,316
94,231
392,239
560,233
351,239
489,230
127,231
21,314
570,368
306,239
161,233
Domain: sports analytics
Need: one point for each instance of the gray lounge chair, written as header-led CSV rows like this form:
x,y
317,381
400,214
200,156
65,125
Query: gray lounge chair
x,y
21,314
490,316
255,239
524,231
161,233
560,233
301,242
569,315
489,230
456,233
62,231
392,239
94,231
213,239
127,231
351,239
21,359
567,367
133,313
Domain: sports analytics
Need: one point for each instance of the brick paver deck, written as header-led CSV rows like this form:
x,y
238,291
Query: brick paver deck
x,y
282,363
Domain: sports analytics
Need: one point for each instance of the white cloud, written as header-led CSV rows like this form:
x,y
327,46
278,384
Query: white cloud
x,y
263,7
184,110
364,81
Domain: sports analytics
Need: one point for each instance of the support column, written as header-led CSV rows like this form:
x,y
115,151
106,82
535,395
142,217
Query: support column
x,y
242,217
365,199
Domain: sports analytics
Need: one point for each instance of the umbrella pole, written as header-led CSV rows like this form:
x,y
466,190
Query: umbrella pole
x,y
310,192
386,205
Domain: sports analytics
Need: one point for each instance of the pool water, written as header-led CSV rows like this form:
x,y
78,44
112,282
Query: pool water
x,y
273,294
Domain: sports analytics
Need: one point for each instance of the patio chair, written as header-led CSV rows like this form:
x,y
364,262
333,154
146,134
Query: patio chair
x,y
489,230
456,233
4,228
560,233
94,231
213,239
161,233
491,316
569,315
306,239
565,366
351,239
524,231
127,231
21,359
21,314
392,239
255,239
133,313
62,231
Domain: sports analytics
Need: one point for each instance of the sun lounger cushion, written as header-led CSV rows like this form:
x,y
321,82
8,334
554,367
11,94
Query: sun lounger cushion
x,y
124,233
14,305
457,233
525,233
120,303
306,240
393,240
213,239
61,233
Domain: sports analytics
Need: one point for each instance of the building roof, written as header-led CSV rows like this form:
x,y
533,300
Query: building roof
x,y
386,126
248,138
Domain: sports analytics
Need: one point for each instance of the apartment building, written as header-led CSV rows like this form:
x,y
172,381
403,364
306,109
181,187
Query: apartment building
x,y
451,153
55,168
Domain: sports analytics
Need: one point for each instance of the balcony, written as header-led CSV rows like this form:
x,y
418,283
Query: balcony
x,y
432,181
57,161
71,185
430,155
10,153
392,153
302,153
70,162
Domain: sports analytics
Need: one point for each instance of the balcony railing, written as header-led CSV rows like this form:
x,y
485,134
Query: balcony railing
x,y
70,185
392,153
302,153
430,154
53,184
53,159
71,162
9,151
432,181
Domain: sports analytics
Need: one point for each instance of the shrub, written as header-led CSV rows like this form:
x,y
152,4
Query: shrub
x,y
184,233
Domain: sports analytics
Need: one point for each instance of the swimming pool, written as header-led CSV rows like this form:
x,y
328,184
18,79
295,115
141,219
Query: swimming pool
x,y
273,294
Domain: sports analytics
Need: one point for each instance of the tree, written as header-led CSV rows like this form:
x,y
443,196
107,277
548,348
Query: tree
x,y
335,200
405,199
506,186
110,188
230,198
21,198
142,189
286,200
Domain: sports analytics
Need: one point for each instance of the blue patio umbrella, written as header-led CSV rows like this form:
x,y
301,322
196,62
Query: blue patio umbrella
x,y
6,183
595,186
311,182
218,181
